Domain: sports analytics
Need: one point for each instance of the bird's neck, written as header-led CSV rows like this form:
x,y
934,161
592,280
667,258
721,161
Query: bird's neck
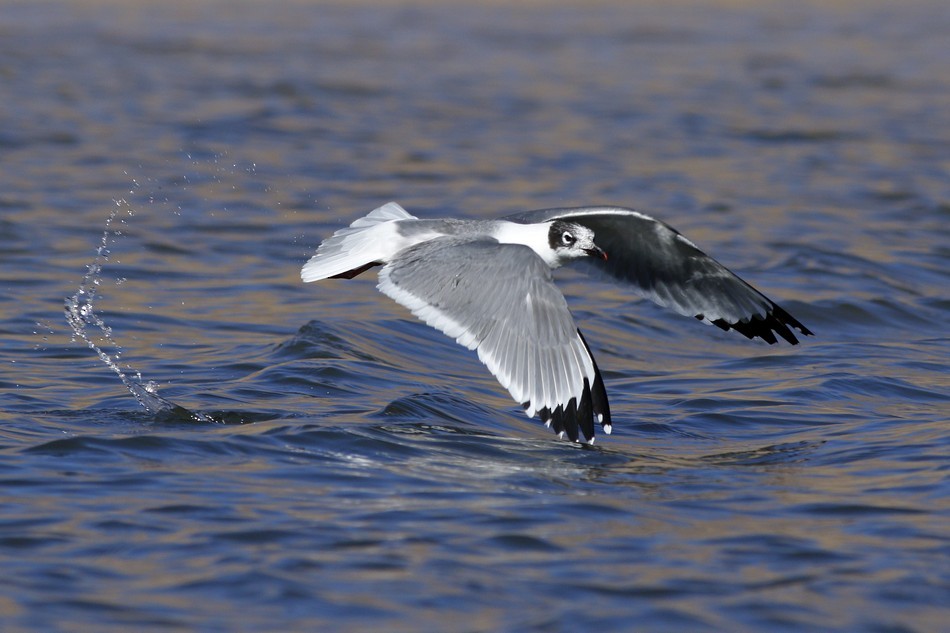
x,y
534,236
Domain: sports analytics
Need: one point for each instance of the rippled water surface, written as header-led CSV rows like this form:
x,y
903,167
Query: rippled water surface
x,y
337,465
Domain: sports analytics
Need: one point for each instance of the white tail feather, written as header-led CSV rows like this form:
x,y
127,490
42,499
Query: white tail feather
x,y
385,213
366,241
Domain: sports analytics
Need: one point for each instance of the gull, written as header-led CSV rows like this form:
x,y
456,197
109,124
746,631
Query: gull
x,y
489,285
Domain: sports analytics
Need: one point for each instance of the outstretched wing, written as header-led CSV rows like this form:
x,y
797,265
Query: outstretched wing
x,y
500,300
667,268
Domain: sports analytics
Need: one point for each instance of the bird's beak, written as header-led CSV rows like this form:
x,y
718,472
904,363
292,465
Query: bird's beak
x,y
596,252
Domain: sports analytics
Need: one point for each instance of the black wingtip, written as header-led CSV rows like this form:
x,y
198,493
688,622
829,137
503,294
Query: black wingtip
x,y
585,413
777,321
600,407
578,418
563,420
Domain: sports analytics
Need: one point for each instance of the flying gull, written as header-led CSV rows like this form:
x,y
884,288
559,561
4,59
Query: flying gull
x,y
488,285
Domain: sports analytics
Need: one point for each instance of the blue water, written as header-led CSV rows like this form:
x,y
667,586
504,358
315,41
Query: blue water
x,y
337,465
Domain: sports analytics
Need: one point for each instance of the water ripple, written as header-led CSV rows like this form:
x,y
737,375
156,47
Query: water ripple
x,y
310,457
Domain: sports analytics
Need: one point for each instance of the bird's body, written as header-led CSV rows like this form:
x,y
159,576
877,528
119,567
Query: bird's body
x,y
389,230
488,285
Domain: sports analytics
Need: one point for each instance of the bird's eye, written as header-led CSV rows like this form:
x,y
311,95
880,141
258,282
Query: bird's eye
x,y
568,239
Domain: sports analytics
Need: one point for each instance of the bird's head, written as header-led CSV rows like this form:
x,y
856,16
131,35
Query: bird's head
x,y
570,240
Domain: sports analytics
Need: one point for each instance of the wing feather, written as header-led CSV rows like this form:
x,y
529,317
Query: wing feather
x,y
500,300
665,267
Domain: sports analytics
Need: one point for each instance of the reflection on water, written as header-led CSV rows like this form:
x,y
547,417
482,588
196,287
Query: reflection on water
x,y
369,473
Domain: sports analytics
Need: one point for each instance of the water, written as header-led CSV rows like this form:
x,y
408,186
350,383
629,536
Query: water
x,y
336,465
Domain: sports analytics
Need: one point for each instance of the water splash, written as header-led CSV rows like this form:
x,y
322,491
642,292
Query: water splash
x,y
81,316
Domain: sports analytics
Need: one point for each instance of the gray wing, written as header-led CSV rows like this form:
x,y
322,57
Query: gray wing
x,y
500,300
667,268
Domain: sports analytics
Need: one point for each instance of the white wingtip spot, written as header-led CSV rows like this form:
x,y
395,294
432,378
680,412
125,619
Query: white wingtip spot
x,y
608,429
590,442
560,435
547,423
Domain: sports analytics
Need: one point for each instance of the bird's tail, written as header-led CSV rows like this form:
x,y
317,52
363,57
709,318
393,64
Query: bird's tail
x,y
350,251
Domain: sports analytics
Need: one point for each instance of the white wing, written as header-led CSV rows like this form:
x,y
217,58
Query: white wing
x,y
500,300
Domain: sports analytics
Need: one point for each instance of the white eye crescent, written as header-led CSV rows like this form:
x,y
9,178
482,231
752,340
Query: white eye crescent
x,y
568,239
